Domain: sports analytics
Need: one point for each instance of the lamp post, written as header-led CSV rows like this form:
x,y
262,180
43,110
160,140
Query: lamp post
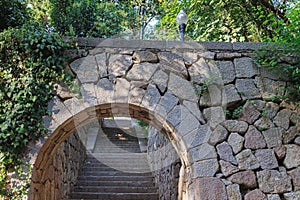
x,y
181,19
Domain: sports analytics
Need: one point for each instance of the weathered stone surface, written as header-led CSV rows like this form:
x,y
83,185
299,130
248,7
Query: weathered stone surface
x,y
292,158
231,95
297,140
255,194
273,137
190,58
264,123
177,114
266,158
202,152
295,118
235,126
86,69
227,55
245,179
142,71
247,89
104,91
160,79
249,114
214,116
227,71
233,192
199,71
205,168
295,175
136,96
63,92
74,105
208,55
246,160
212,96
282,119
208,189
218,135
151,97
273,197
201,136
273,181
121,92
236,142
101,62
225,152
119,64
254,139
292,195
168,101
290,135
270,88
88,94
144,56
173,62
280,152
194,109
227,168
245,68
181,88
188,124
271,109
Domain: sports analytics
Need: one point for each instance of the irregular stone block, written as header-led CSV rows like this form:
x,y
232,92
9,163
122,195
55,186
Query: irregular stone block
x,y
142,71
104,91
227,168
235,126
151,97
181,88
88,94
208,188
254,139
173,62
168,101
231,95
144,56
213,96
86,69
236,142
246,160
273,137
194,109
121,91
205,168
199,71
177,114
295,175
201,136
218,135
280,152
266,158
233,192
160,79
290,135
273,197
227,71
245,179
202,152
297,141
255,194
245,68
295,118
249,114
101,62
214,116
264,123
292,158
190,58
189,124
282,119
227,55
247,89
119,64
225,152
271,109
208,55
270,88
136,96
292,195
273,181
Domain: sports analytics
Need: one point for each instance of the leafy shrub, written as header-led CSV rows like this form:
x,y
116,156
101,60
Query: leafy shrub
x,y
31,62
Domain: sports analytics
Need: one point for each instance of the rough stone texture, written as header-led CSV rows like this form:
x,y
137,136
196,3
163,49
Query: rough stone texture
x,y
290,134
235,126
141,72
273,197
205,168
266,158
245,179
151,98
225,152
231,95
86,69
297,141
249,114
273,181
227,168
254,139
213,96
292,158
273,137
199,71
271,109
255,194
144,56
101,61
190,58
194,109
119,64
218,135
202,152
270,88
247,89
227,71
233,192
181,88
246,160
173,62
264,123
198,137
280,152
236,142
244,68
160,78
295,118
292,195
214,116
295,175
209,189
282,119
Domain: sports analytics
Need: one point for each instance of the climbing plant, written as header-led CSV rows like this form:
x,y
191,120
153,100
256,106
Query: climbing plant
x,y
31,62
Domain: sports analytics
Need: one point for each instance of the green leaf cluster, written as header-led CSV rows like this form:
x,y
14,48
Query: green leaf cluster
x,y
31,62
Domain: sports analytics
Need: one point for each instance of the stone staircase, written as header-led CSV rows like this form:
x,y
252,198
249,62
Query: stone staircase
x,y
116,169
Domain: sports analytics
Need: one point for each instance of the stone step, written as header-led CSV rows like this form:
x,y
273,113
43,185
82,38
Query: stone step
x,y
114,189
113,173
116,183
115,178
115,196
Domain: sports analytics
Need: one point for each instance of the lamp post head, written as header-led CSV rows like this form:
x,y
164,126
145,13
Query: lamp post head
x,y
182,19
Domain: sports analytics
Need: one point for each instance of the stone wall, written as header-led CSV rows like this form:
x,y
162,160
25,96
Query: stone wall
x,y
64,168
164,164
